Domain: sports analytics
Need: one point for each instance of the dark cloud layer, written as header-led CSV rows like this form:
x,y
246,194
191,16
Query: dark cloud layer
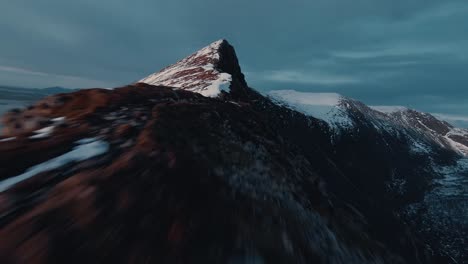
x,y
398,52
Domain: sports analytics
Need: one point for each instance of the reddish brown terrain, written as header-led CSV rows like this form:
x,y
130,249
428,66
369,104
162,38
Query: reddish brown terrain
x,y
163,191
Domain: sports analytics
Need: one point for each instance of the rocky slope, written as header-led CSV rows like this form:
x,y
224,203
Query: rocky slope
x,y
404,159
208,170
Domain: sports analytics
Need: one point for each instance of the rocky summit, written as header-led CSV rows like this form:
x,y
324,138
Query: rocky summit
x,y
191,165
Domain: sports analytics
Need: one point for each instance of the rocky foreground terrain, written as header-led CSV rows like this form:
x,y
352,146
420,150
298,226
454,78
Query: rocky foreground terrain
x,y
191,165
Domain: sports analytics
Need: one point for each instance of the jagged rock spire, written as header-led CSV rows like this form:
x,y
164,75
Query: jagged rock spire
x,y
208,71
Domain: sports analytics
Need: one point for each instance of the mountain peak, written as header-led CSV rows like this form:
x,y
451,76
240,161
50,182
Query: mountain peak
x,y
209,71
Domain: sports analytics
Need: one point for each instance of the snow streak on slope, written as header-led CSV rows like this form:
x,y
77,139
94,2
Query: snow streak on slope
x,y
197,73
324,106
87,148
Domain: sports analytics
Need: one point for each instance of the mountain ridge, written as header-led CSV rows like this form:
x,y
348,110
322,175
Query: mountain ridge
x,y
232,176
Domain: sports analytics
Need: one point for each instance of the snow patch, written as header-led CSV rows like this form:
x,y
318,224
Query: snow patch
x,y
58,119
86,149
46,131
221,84
43,132
325,106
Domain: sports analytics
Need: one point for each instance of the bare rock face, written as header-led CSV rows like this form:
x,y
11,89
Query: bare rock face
x,y
190,165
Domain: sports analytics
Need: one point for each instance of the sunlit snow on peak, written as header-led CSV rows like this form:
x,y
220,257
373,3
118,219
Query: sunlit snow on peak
x,y
328,107
197,73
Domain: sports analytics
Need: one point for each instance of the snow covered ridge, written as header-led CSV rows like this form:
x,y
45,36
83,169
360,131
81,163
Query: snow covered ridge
x,y
388,109
457,146
197,73
324,106
339,113
439,130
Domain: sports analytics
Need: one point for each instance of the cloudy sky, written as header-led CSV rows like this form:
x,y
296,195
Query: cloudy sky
x,y
383,52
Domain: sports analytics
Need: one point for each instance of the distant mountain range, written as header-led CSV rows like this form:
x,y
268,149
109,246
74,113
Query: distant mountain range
x,y
17,97
29,94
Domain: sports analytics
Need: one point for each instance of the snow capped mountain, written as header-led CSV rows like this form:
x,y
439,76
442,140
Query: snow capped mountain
x,y
399,134
342,113
324,106
291,177
203,72
440,131
409,149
